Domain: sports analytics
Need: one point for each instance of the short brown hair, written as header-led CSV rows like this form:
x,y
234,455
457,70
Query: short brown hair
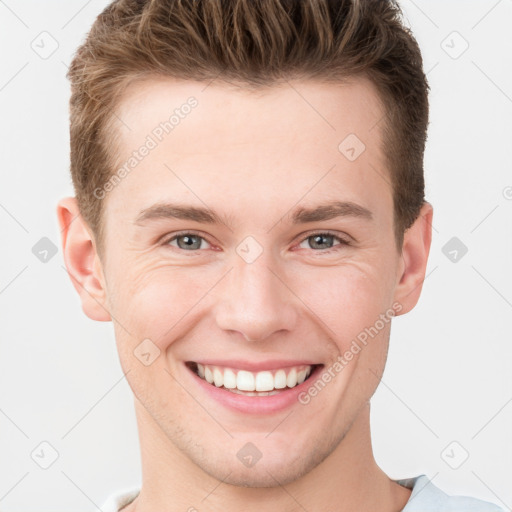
x,y
257,43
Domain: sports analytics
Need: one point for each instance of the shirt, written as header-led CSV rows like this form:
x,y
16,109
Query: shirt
x,y
425,497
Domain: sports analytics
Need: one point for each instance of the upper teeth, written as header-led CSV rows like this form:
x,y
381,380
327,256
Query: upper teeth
x,y
254,381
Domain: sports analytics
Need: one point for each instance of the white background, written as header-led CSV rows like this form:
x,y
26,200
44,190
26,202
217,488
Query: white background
x,y
449,373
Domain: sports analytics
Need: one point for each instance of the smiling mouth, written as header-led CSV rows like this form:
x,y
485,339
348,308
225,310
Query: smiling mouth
x,y
263,383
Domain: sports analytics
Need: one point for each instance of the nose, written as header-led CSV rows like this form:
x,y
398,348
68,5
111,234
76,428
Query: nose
x,y
254,301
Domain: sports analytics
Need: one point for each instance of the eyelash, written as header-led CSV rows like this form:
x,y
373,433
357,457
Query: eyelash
x,y
342,241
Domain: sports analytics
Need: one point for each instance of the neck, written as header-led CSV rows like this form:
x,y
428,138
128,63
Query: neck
x,y
349,478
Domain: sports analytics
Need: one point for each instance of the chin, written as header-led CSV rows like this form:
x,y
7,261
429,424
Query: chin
x,y
267,476
274,471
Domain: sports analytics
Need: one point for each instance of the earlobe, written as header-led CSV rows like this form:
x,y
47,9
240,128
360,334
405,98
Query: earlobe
x,y
415,251
81,259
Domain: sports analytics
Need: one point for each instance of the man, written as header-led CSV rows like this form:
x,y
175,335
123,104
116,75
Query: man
x,y
249,206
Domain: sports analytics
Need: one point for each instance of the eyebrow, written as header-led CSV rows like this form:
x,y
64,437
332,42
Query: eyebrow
x,y
301,215
330,211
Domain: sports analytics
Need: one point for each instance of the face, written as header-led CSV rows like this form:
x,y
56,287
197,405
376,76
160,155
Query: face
x,y
252,243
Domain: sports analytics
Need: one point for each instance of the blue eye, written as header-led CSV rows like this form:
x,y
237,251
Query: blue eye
x,y
187,241
319,241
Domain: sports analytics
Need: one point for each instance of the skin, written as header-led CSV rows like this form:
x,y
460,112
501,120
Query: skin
x,y
253,158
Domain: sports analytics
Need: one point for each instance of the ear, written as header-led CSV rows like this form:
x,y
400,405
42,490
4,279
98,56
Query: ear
x,y
82,261
415,250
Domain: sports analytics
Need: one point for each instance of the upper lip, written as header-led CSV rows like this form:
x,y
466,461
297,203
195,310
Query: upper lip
x,y
252,366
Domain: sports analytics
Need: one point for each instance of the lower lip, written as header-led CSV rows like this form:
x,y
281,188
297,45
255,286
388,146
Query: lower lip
x,y
254,404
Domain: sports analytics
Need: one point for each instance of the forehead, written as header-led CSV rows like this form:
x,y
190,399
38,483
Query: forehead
x,y
329,109
230,145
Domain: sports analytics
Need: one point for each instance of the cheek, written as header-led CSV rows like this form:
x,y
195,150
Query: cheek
x,y
159,302
346,298
153,300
